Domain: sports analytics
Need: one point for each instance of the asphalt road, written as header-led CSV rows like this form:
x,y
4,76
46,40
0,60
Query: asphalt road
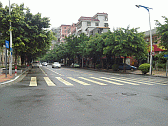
x,y
78,97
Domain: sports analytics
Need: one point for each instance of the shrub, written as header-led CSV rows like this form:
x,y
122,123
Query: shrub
x,y
159,65
144,68
98,65
115,67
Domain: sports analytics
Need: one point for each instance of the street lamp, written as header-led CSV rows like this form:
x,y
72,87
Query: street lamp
x,y
147,8
10,60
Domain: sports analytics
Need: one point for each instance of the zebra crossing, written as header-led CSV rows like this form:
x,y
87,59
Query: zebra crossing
x,y
103,81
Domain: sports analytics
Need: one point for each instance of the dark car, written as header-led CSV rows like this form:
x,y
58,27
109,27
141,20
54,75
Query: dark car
x,y
127,67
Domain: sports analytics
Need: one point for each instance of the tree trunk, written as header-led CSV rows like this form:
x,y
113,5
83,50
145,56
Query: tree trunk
x,y
124,64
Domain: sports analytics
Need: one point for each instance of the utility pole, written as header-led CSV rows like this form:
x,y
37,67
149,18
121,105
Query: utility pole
x,y
10,60
147,8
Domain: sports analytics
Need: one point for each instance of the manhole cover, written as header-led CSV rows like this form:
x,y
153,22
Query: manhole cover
x,y
129,94
89,95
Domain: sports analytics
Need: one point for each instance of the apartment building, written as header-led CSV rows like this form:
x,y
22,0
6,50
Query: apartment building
x,y
92,25
72,30
88,25
64,32
156,48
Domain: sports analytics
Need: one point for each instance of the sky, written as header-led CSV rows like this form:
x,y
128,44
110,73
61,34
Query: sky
x,y
121,13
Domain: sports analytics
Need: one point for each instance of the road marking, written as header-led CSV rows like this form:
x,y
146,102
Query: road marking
x,y
107,81
134,80
64,81
33,81
92,81
48,81
54,71
78,81
43,71
120,81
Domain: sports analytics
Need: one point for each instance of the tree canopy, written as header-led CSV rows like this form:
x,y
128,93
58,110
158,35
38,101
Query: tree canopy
x,y
30,38
122,42
162,29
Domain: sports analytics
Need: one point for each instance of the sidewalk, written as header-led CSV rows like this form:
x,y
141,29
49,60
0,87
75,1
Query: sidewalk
x,y
9,79
3,77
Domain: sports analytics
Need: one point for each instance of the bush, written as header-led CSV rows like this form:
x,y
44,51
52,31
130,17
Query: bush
x,y
98,66
159,65
144,68
115,67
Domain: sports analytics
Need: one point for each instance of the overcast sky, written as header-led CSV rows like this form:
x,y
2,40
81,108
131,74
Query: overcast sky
x,y
121,13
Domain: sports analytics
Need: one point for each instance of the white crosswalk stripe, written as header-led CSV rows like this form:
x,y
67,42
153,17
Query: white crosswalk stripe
x,y
33,82
92,81
144,81
123,81
49,82
116,83
64,81
99,81
78,81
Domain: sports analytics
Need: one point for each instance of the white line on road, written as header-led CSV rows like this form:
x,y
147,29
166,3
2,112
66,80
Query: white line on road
x,y
92,81
64,81
33,81
49,82
78,81
107,81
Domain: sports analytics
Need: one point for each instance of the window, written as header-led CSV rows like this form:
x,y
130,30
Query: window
x,y
105,24
62,35
147,40
106,19
88,23
96,24
65,31
64,27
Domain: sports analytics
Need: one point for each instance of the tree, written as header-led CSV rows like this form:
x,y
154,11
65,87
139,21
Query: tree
x,y
126,42
95,47
30,39
82,39
162,29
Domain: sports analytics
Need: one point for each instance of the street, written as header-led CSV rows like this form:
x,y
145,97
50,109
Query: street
x,y
71,96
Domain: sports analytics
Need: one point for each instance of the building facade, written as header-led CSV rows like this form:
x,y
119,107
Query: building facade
x,y
88,25
92,25
64,32
156,48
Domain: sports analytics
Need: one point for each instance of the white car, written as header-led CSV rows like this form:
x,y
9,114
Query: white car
x,y
56,65
44,63
35,64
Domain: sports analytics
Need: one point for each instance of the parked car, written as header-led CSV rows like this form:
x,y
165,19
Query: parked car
x,y
44,64
75,65
56,65
35,64
127,67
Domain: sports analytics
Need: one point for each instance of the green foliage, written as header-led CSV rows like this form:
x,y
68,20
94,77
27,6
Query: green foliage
x,y
98,66
162,29
161,65
115,67
30,39
144,68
